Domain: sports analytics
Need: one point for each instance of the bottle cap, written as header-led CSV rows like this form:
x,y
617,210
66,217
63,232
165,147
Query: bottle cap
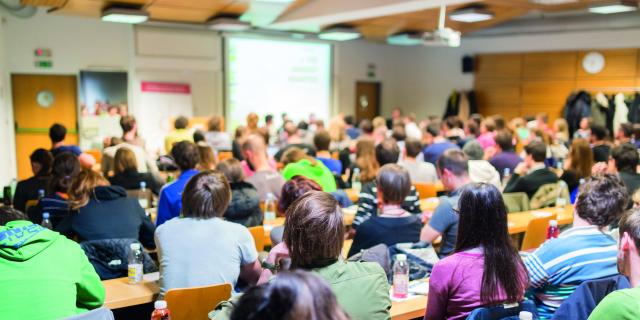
x,y
45,215
507,170
41,191
553,223
143,184
134,246
160,304
525,315
401,257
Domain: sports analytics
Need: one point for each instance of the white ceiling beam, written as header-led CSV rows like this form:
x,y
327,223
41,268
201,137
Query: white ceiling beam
x,y
318,13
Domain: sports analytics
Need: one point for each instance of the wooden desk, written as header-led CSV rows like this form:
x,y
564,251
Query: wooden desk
x,y
409,309
120,294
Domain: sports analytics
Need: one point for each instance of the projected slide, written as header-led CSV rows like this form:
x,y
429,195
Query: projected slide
x,y
271,76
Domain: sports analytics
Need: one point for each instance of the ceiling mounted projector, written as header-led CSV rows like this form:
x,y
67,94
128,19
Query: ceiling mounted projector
x,y
441,37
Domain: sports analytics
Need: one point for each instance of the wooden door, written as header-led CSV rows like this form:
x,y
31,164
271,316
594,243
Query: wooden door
x,y
367,100
39,101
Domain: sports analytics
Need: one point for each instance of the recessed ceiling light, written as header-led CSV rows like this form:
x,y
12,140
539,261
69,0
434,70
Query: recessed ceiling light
x,y
340,34
227,24
615,7
471,15
405,39
124,15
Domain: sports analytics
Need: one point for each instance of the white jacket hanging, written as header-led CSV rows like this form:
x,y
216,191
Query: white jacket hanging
x,y
621,114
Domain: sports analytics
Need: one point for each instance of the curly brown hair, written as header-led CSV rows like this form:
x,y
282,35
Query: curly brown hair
x,y
602,200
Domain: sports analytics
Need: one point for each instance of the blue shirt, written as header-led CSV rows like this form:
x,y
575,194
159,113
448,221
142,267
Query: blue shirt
x,y
66,148
433,151
335,166
170,203
560,265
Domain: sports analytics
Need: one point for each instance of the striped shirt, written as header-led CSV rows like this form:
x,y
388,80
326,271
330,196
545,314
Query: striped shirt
x,y
368,203
560,265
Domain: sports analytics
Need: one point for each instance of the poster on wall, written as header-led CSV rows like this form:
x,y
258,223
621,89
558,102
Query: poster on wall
x,y
103,101
159,104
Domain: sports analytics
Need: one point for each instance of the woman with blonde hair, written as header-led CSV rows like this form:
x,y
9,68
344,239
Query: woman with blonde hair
x,y
297,162
578,164
126,173
102,211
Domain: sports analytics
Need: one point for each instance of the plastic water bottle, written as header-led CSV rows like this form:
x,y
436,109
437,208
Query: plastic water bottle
x,y
161,312
142,196
553,231
270,207
135,263
400,277
525,315
46,223
506,175
40,194
356,183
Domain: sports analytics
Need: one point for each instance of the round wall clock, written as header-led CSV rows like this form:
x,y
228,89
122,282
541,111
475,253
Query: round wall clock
x,y
45,98
593,62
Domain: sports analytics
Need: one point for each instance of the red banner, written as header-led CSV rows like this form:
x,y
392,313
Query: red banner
x,y
166,87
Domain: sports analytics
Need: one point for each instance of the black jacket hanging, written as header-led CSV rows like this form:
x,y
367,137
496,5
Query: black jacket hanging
x,y
453,103
634,109
578,106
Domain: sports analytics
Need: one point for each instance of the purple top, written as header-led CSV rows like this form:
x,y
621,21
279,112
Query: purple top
x,y
487,140
454,286
505,160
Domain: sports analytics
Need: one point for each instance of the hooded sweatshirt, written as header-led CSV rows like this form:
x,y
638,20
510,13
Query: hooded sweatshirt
x,y
44,275
318,173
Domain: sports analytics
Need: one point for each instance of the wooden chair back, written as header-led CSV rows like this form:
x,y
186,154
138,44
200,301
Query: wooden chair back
x,y
196,303
224,155
536,233
426,190
258,237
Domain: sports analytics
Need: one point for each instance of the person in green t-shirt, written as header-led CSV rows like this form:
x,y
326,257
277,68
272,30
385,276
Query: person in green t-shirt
x,y
625,304
298,163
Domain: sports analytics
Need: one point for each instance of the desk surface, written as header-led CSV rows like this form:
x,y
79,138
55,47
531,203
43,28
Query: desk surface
x,y
121,294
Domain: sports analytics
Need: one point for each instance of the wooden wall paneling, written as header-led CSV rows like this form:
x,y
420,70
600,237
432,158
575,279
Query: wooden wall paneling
x,y
549,65
553,111
548,96
499,66
618,63
606,84
498,96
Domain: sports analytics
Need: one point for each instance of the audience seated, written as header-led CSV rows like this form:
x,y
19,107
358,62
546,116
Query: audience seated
x,y
180,133
297,162
583,252
366,161
314,233
453,169
531,174
30,189
199,248
436,144
625,159
65,168
207,158
624,133
186,156
487,133
352,131
419,171
386,152
296,138
393,224
599,145
584,129
485,268
291,191
216,137
505,156
265,178
321,141
480,170
244,207
57,134
291,295
43,274
578,164
240,135
625,304
103,212
366,129
144,162
126,173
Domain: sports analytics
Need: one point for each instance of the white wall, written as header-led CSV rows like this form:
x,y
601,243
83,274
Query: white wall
x,y
430,74
7,148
